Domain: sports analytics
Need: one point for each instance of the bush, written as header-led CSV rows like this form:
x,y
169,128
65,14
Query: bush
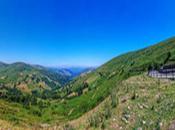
x,y
94,120
107,111
114,100
37,112
98,119
134,96
103,125
68,127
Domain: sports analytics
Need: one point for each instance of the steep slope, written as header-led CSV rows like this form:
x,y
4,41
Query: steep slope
x,y
130,64
89,90
142,102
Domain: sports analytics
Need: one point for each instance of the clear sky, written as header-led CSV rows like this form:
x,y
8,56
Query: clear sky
x,y
80,32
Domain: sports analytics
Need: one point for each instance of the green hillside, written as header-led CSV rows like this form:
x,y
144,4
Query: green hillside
x,y
20,81
27,77
99,84
87,91
141,102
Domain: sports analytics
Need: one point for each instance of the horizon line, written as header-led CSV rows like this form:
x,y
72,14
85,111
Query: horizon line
x,y
52,66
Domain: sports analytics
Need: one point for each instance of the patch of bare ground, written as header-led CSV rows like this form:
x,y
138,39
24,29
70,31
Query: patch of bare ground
x,y
172,126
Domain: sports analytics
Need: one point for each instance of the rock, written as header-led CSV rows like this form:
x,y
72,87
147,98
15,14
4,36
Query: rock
x,y
139,128
123,100
143,122
156,110
44,125
129,108
140,106
145,106
161,124
124,120
127,117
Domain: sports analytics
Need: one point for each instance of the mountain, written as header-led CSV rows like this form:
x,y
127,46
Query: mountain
x,y
30,77
2,64
73,72
77,71
117,95
129,64
86,92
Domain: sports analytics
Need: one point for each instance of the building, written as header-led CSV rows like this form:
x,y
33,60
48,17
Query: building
x,y
165,72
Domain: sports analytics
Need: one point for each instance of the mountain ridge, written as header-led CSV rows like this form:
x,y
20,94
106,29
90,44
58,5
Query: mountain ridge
x,y
87,91
30,76
56,77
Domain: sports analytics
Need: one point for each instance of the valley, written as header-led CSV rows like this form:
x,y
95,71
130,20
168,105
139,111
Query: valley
x,y
116,95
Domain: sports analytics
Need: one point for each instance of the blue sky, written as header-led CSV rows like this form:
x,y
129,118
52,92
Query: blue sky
x,y
80,32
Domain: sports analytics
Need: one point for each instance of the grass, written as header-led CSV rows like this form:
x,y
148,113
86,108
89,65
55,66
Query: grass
x,y
110,75
100,84
137,112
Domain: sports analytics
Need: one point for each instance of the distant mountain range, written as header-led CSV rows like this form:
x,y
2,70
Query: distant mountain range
x,y
72,72
116,95
2,64
28,77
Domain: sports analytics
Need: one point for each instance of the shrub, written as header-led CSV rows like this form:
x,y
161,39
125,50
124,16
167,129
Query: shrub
x,y
37,112
134,96
103,125
98,119
114,100
68,127
94,120
107,111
